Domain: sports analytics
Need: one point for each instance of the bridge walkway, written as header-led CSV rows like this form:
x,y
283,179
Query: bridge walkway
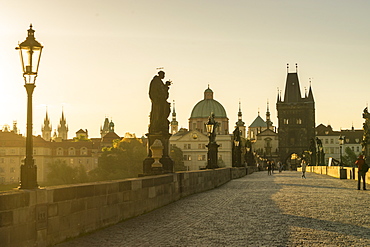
x,y
256,210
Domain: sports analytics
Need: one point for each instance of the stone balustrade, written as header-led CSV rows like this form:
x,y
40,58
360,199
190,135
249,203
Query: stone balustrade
x,y
334,171
47,216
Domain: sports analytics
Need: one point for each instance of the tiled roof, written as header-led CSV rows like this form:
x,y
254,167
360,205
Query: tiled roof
x,y
258,122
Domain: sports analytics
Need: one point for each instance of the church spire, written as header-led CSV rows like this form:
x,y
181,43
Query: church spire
x,y
268,119
174,123
46,128
240,122
105,129
63,128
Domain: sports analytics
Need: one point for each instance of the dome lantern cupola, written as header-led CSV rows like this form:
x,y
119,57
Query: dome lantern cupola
x,y
208,93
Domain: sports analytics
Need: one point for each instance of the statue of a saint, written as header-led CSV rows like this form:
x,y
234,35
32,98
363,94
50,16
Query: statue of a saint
x,y
158,93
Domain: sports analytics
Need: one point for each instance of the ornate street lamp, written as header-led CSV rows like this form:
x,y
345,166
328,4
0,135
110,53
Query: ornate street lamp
x,y
341,142
30,53
212,154
236,155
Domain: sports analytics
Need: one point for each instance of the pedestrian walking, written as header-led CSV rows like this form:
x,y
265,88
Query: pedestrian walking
x,y
280,167
272,166
269,168
303,164
362,169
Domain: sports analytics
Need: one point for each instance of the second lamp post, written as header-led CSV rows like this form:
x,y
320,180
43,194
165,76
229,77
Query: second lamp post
x,y
212,154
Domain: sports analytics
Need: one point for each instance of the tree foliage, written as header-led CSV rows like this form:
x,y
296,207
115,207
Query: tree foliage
x,y
61,173
177,156
123,160
349,158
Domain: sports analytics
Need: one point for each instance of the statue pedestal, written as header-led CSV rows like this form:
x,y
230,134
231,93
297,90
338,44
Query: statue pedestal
x,y
166,161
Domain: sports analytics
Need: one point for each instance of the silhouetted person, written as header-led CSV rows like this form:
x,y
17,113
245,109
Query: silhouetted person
x,y
158,93
269,168
280,166
361,173
304,165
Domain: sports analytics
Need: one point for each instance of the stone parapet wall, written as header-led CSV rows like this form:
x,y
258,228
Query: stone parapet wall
x,y
47,216
334,171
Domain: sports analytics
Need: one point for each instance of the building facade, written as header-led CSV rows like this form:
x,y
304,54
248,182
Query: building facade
x,y
78,151
193,141
330,141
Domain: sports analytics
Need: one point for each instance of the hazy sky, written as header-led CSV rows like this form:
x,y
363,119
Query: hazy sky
x,y
99,57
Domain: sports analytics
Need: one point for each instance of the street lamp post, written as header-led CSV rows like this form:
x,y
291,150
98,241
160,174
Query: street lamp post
x,y
236,155
212,154
342,171
30,53
341,142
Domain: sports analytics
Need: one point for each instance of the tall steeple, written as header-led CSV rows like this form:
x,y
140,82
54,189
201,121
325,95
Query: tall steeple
x,y
310,94
63,128
174,123
105,129
111,126
46,128
268,119
240,122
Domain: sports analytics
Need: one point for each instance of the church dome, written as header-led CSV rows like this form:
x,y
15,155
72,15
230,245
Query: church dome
x,y
205,107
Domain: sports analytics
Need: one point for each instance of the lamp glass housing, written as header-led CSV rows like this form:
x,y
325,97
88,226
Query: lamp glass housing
x,y
341,140
209,127
30,53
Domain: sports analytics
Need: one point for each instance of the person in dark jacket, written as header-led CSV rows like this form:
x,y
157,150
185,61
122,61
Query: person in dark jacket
x,y
361,174
269,168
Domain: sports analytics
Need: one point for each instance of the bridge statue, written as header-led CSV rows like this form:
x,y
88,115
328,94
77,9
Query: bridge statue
x,y
366,137
158,94
159,125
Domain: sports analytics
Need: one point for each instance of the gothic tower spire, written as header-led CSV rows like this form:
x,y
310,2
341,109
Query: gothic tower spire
x,y
174,123
46,128
268,119
105,129
240,122
63,128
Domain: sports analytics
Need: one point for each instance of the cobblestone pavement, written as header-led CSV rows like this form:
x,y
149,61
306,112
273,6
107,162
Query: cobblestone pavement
x,y
256,210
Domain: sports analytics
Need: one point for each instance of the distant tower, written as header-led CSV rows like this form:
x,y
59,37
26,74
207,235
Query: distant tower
x,y
111,126
63,128
15,128
240,122
46,128
268,119
296,116
105,129
174,123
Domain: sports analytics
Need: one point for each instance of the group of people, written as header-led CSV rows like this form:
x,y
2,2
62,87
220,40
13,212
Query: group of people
x,y
271,167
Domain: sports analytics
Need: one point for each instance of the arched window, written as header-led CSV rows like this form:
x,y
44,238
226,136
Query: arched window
x,y
59,151
83,151
71,151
